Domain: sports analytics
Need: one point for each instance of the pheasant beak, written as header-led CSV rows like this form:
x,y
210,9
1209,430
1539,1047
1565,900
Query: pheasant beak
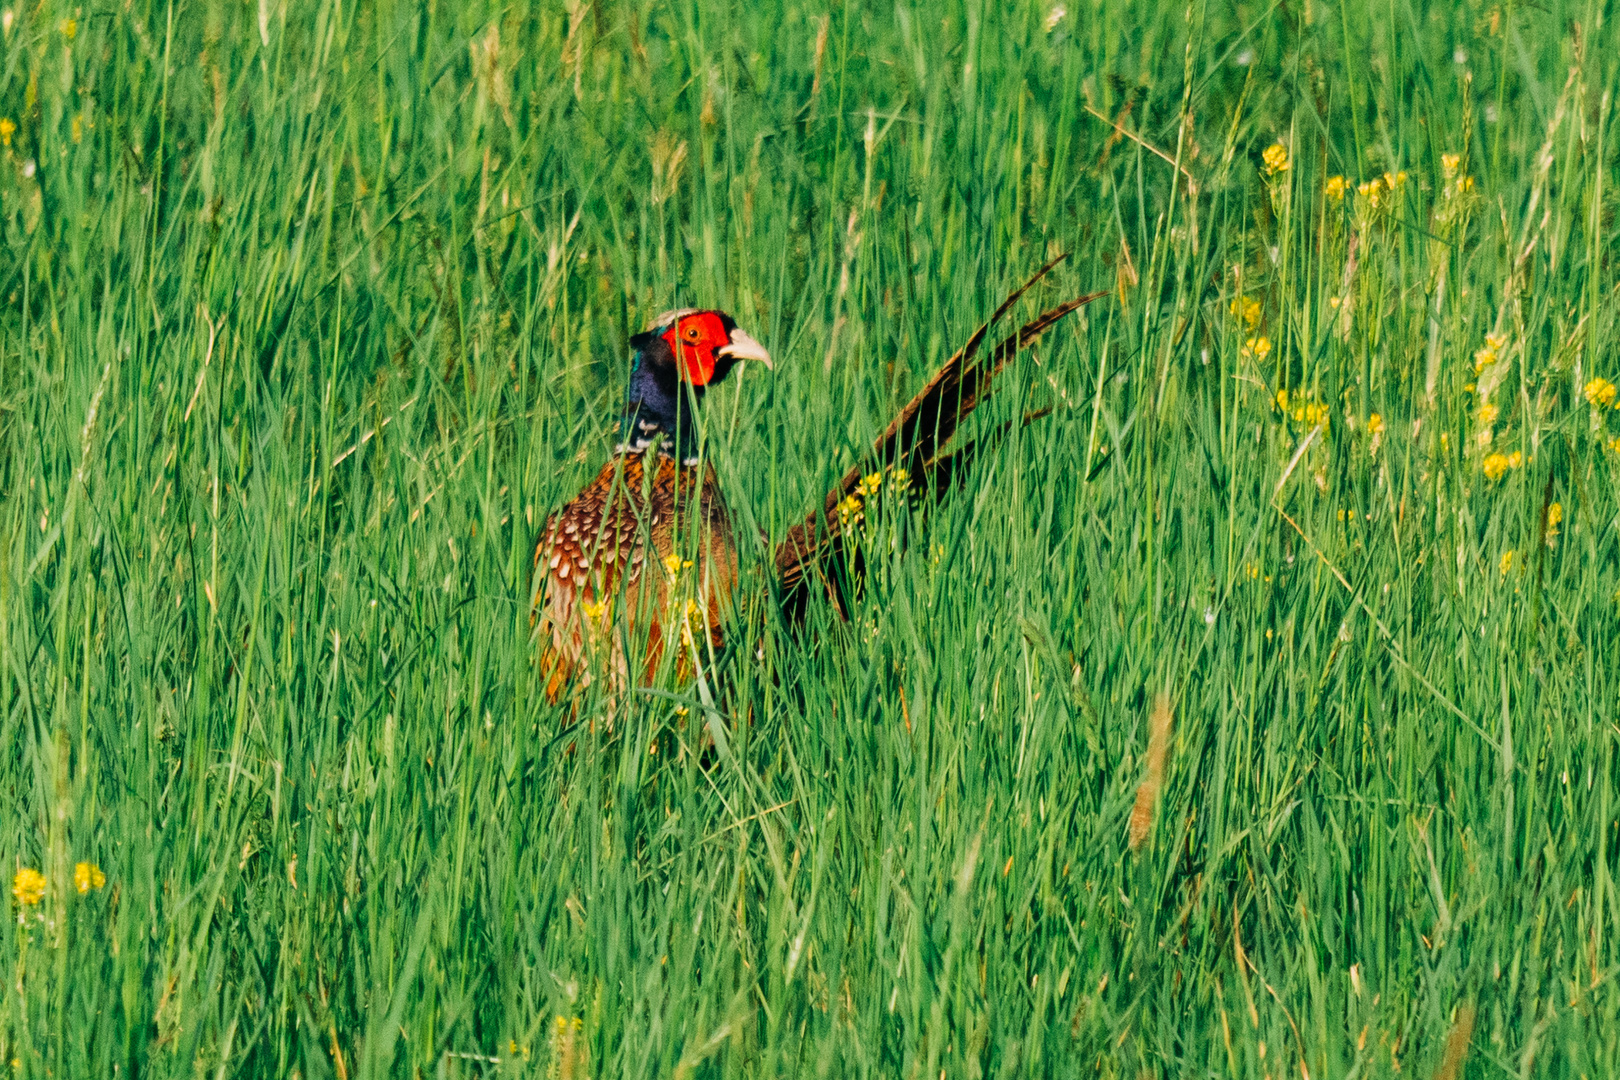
x,y
743,347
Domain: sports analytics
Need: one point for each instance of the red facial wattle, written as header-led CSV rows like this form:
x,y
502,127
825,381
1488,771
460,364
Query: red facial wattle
x,y
695,340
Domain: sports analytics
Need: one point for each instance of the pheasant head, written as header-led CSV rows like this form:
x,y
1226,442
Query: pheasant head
x,y
678,358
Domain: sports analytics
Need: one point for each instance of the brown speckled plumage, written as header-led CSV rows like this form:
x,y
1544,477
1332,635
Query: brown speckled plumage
x,y
609,551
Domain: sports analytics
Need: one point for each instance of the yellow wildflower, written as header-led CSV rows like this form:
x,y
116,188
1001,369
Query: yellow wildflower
x,y
1311,413
674,564
694,621
1599,392
87,876
1507,561
1465,184
849,510
1449,164
1495,465
870,484
1282,400
1335,188
1515,459
1487,414
899,480
1614,444
594,610
1372,191
1276,159
28,886
1394,181
1258,347
1555,515
1375,424
1485,357
1246,308
8,128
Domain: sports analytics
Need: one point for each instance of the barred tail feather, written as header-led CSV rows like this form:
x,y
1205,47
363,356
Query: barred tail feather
x,y
913,439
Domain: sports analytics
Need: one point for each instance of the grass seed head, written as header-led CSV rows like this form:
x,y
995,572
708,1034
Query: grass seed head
x,y
1147,793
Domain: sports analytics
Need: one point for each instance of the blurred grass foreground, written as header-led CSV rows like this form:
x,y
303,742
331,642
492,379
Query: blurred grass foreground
x,y
1252,714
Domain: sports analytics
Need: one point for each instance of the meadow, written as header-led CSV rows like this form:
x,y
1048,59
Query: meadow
x,y
1252,713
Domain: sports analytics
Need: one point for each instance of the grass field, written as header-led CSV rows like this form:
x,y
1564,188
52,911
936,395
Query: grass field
x,y
1255,713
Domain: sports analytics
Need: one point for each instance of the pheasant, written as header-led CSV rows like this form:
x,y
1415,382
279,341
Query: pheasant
x,y
652,531
651,535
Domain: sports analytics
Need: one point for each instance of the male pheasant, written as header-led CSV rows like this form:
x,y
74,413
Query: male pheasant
x,y
650,536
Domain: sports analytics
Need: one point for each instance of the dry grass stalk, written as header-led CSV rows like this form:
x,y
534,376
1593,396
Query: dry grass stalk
x,y
1462,1030
1147,794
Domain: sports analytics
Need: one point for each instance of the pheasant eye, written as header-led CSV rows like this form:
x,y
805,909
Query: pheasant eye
x,y
691,333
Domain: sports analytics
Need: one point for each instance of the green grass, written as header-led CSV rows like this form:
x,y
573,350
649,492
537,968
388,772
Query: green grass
x,y
312,311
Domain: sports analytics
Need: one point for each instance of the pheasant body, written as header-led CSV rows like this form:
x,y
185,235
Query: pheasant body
x,y
650,538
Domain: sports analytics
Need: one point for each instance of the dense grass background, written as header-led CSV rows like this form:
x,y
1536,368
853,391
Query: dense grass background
x,y
312,311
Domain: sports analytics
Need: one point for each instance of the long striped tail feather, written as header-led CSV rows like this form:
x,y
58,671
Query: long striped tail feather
x,y
912,443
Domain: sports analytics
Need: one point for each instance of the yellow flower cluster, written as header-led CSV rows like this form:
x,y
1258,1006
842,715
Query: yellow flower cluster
x,y
1335,188
87,876
1276,159
1375,424
1257,347
1311,414
28,886
8,128
1488,355
1456,183
1246,308
693,622
851,508
675,564
1497,465
1599,393
1506,564
1303,410
1555,518
1376,193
